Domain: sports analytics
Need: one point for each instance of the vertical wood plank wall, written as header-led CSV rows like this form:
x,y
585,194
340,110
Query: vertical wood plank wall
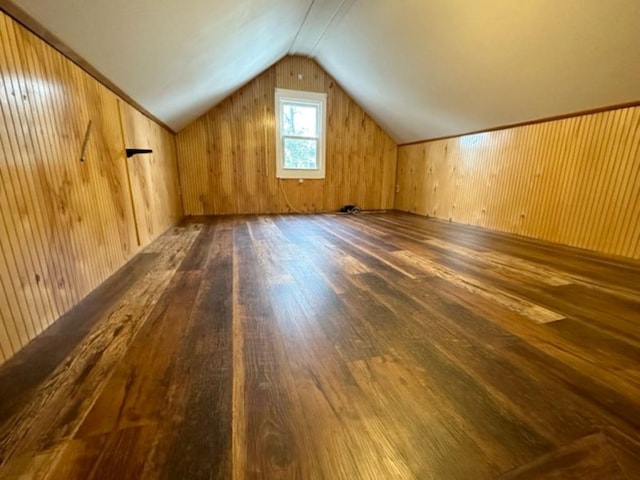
x,y
227,157
65,225
154,179
574,181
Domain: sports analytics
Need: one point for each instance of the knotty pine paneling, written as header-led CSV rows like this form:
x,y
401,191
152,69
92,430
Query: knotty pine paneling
x,y
65,225
154,179
574,181
227,157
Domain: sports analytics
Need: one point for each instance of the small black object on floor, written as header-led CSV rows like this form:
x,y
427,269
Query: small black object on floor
x,y
350,209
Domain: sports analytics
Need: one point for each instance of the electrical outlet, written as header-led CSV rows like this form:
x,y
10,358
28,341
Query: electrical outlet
x,y
301,180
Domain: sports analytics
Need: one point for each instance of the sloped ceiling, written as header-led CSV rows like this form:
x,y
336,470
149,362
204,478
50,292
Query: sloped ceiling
x,y
432,68
421,68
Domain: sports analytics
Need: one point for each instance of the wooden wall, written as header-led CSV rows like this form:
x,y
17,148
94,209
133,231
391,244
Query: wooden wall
x,y
227,157
154,180
574,181
66,225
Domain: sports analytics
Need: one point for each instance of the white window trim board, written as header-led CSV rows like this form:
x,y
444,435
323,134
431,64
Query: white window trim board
x,y
299,96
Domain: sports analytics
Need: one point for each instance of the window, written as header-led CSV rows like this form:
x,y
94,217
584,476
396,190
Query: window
x,y
300,126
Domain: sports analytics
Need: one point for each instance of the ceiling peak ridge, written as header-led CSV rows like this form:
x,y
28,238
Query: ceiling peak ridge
x,y
320,17
301,27
342,10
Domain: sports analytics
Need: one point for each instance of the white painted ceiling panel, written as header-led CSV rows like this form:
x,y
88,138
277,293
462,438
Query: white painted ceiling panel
x,y
421,68
432,68
321,16
176,59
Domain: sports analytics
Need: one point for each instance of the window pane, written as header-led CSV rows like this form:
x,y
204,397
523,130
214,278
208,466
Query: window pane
x,y
300,154
299,120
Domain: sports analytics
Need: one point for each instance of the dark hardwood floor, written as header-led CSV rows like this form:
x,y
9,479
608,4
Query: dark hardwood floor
x,y
376,346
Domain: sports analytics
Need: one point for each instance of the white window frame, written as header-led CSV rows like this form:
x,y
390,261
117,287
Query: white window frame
x,y
318,100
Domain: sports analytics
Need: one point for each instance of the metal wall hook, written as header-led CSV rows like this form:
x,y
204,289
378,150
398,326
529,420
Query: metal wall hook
x,y
135,151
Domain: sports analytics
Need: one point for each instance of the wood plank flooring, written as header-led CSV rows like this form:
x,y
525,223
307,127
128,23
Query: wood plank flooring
x,y
376,346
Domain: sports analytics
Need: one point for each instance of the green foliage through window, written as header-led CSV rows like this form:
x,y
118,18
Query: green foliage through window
x,y
300,154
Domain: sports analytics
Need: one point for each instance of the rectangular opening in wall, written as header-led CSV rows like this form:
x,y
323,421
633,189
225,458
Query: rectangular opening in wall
x,y
300,134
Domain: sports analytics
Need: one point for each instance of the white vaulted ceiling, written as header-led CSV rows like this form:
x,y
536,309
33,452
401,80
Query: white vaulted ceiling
x,y
421,68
